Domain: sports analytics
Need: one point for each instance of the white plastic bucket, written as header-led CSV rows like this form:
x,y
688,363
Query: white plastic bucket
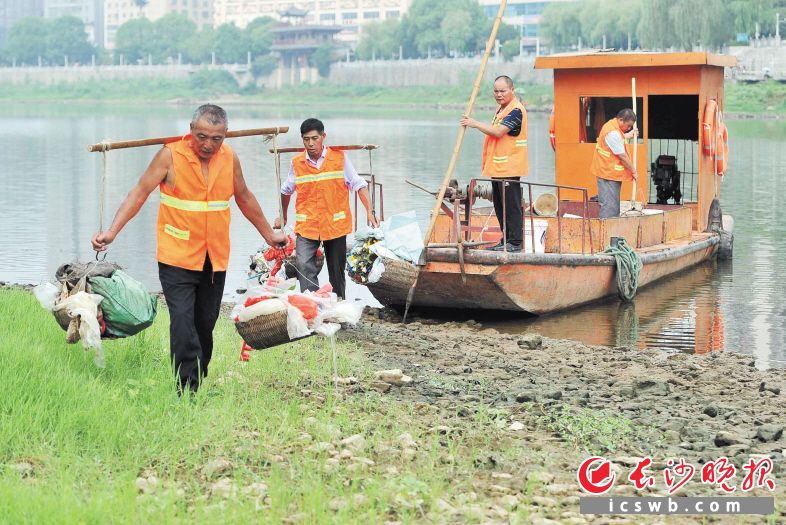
x,y
540,235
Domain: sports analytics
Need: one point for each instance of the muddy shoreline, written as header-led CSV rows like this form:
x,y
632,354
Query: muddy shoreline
x,y
697,407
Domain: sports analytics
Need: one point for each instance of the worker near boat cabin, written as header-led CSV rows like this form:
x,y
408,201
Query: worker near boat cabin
x,y
197,176
322,177
505,160
611,163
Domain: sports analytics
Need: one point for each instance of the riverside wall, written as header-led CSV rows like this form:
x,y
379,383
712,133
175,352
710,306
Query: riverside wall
x,y
433,72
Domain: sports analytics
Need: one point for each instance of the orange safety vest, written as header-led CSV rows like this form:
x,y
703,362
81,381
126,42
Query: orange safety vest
x,y
193,217
606,164
322,204
506,156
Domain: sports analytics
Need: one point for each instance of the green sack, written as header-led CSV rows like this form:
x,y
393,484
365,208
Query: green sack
x,y
128,308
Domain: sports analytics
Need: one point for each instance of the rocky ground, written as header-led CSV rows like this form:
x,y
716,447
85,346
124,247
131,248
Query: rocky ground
x,y
567,400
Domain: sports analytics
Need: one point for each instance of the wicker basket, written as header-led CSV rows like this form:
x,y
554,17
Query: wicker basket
x,y
290,265
265,331
395,282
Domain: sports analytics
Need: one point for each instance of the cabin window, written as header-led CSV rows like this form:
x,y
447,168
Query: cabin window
x,y
594,112
673,146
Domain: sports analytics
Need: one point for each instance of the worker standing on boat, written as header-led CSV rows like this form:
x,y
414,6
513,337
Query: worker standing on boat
x,y
196,175
611,163
505,159
322,178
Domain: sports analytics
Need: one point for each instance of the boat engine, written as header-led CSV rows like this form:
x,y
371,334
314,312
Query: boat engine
x,y
666,177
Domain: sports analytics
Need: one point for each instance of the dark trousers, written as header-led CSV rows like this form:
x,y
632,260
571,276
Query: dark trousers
x,y
335,258
609,198
513,213
194,301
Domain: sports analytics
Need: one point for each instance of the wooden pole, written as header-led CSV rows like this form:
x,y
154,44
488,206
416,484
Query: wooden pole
x,y
635,144
456,150
106,146
350,147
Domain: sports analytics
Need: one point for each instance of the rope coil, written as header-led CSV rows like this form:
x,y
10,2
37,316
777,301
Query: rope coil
x,y
628,269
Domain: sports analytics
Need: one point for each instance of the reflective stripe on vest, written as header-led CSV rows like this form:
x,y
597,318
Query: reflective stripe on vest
x,y
521,143
602,151
180,204
176,233
340,215
328,175
300,217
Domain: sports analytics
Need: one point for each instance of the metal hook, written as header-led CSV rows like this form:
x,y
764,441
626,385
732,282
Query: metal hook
x,y
99,258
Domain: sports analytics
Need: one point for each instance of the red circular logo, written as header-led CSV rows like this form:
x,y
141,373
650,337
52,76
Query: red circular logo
x,y
593,478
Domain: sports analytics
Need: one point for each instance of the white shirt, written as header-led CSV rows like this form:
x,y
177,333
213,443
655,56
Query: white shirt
x,y
615,142
352,180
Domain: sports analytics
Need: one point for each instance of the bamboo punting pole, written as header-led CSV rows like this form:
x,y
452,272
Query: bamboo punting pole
x,y
350,147
457,148
106,146
635,143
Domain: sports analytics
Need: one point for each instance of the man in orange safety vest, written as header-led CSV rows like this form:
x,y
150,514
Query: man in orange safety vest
x,y
197,176
322,178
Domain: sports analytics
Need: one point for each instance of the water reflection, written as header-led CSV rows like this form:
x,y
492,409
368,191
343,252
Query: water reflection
x,y
50,187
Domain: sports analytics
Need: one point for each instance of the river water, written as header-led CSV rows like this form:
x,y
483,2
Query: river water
x,y
51,189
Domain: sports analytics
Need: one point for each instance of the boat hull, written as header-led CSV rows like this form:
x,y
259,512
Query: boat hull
x,y
533,283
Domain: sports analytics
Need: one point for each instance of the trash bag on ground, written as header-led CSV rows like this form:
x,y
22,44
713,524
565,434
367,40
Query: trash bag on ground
x,y
128,307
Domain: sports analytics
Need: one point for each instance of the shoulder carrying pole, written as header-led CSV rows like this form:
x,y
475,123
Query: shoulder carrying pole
x,y
106,146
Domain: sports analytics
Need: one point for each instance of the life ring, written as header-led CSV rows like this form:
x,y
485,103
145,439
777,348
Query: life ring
x,y
708,126
722,153
552,134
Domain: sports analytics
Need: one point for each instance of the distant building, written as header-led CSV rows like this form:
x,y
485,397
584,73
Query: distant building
x,y
522,14
294,41
91,12
118,12
349,15
12,10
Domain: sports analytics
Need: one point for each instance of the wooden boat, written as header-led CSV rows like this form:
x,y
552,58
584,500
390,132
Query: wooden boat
x,y
678,96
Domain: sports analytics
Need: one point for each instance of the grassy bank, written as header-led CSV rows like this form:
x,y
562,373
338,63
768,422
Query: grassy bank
x,y
259,443
766,97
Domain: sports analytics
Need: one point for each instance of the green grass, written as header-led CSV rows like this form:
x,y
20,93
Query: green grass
x,y
595,431
764,97
89,433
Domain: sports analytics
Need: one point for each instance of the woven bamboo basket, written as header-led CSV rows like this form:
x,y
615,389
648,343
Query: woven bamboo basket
x,y
265,331
396,280
291,265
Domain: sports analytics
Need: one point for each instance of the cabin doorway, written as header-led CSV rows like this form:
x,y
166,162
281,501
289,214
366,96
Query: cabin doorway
x,y
673,146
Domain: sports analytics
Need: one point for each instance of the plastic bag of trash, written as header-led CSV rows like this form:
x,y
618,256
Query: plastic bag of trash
x,y
296,324
377,269
47,294
128,307
85,306
343,312
403,236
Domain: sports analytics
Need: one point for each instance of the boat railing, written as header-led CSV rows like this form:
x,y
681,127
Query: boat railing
x,y
468,229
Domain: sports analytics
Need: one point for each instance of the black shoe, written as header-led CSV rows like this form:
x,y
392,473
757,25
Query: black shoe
x,y
497,247
507,248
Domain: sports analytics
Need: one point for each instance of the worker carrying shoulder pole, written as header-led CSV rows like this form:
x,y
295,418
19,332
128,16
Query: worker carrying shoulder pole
x,y
322,178
196,176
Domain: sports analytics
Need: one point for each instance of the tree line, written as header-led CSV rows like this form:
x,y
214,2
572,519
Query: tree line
x,y
657,24
171,38
429,29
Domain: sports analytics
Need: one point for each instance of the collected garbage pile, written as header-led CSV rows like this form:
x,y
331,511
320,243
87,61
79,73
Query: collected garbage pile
x,y
94,301
273,313
393,247
267,261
